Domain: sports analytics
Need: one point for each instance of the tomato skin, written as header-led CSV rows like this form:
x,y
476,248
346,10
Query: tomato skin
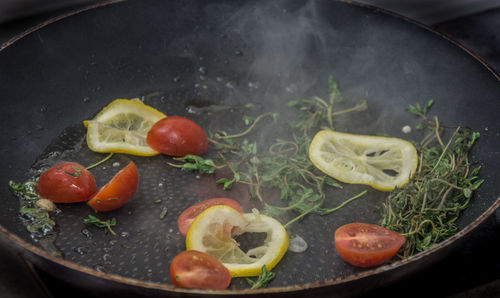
x,y
67,182
366,245
198,270
187,216
177,136
118,191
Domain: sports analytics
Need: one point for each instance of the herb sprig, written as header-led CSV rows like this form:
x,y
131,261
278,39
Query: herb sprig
x,y
103,224
263,280
425,210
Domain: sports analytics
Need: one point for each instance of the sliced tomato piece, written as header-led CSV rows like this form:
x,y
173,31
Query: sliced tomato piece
x,y
118,191
67,182
366,245
187,216
195,269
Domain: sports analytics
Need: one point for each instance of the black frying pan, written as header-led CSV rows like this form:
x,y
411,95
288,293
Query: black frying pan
x,y
252,51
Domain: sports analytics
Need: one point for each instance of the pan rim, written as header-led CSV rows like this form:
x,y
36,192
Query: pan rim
x,y
15,240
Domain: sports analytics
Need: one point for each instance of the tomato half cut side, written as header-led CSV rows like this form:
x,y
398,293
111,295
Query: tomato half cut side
x,y
187,216
366,245
177,136
67,182
198,270
118,191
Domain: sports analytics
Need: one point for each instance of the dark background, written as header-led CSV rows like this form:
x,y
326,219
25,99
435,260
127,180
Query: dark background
x,y
472,271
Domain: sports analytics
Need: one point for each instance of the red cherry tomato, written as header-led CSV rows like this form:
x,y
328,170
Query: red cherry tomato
x,y
118,191
187,216
177,136
67,182
194,269
366,245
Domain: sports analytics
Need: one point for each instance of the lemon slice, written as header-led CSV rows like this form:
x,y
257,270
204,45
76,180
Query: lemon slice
x,y
381,162
213,232
122,127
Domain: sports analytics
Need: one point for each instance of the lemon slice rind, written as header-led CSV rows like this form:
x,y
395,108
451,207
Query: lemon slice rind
x,y
122,127
381,162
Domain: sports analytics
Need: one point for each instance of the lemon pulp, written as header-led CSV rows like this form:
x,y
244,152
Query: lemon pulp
x,y
213,232
122,127
381,162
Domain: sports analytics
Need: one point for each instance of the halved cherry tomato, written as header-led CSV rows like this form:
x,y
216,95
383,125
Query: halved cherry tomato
x,y
187,216
118,191
177,136
67,182
195,269
366,245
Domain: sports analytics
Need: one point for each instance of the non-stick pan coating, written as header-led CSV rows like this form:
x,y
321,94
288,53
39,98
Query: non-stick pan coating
x,y
174,55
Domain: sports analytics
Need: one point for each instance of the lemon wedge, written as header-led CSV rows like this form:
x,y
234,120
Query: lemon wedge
x,y
213,232
381,162
122,127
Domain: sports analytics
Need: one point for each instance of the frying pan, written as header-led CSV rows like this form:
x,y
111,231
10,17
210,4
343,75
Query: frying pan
x,y
178,54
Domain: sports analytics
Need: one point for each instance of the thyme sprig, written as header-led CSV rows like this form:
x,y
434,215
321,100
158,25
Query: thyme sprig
x,y
425,210
263,280
103,224
195,163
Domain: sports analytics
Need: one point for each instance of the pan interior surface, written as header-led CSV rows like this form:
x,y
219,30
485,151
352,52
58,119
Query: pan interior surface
x,y
207,60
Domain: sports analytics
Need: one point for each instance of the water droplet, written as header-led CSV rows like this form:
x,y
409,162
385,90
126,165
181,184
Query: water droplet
x,y
81,250
198,177
43,109
87,233
238,53
297,244
253,85
99,268
116,164
176,79
230,85
86,99
486,128
202,70
125,234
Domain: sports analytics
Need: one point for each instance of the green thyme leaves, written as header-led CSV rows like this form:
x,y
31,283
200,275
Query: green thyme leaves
x,y
103,224
37,220
425,210
263,280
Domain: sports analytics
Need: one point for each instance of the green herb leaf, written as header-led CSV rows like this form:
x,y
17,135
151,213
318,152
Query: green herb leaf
x,y
163,213
196,163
